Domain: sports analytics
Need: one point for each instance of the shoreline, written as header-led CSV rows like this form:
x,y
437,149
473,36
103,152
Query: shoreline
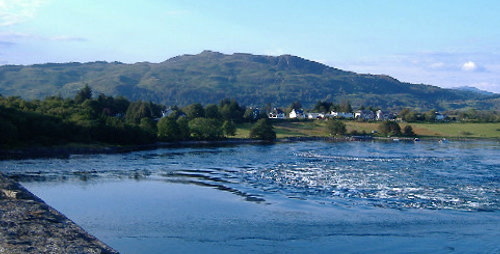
x,y
66,151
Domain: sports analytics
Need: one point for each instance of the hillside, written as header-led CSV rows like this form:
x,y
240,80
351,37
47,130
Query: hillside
x,y
473,89
252,80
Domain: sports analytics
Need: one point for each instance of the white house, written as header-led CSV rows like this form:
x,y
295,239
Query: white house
x,y
253,113
277,114
297,113
341,114
440,117
167,112
382,115
364,114
315,115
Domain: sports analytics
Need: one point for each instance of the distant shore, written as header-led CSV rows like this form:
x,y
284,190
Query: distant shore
x,y
67,150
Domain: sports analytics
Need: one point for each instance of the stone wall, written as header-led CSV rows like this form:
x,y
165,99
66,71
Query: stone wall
x,y
29,225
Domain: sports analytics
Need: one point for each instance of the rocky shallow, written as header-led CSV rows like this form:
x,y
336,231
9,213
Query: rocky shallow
x,y
29,225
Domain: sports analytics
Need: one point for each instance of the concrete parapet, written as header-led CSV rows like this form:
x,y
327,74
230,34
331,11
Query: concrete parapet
x,y
29,225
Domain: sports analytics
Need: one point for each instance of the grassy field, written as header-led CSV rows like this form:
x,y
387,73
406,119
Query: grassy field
x,y
318,129
464,130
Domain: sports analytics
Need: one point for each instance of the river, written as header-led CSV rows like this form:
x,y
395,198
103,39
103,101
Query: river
x,y
304,197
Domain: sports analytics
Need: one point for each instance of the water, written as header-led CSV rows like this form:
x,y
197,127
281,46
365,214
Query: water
x,y
307,197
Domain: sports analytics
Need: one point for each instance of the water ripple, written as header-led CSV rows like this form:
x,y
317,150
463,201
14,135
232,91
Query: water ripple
x,y
459,176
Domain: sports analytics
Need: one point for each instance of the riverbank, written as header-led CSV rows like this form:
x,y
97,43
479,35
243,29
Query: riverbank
x,y
29,225
66,151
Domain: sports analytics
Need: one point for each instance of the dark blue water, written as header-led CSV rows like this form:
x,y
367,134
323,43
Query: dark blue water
x,y
308,197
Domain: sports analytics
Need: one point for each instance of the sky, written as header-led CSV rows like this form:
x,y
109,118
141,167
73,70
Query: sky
x,y
446,43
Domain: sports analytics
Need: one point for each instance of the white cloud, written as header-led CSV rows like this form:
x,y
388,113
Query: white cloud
x,y
17,11
436,68
470,66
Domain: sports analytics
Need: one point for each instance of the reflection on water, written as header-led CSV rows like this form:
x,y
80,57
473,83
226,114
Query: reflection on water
x,y
288,195
203,178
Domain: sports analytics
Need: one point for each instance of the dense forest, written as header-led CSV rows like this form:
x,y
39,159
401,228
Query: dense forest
x,y
116,120
252,80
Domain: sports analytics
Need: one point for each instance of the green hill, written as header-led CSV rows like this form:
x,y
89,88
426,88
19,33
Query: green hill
x,y
252,80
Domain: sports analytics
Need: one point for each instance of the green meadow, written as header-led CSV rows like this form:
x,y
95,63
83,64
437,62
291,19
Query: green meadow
x,y
458,130
317,128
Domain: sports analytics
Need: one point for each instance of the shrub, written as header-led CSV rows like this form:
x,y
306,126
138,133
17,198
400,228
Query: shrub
x,y
408,131
389,128
336,127
263,129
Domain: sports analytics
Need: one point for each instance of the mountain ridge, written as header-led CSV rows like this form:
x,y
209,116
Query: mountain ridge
x,y
473,89
253,80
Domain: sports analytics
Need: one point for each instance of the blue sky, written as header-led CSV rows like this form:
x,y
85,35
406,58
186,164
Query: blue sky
x,y
445,43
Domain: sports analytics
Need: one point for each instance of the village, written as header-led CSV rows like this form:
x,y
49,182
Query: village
x,y
364,115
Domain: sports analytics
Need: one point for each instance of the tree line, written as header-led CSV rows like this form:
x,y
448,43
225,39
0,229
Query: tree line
x,y
115,120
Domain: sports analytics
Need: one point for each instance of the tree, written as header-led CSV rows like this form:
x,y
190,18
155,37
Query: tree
x,y
251,114
430,116
140,109
205,128
120,105
263,129
84,94
168,129
408,116
231,111
295,105
212,111
229,128
345,106
336,127
93,107
194,111
389,128
323,106
408,131
183,123
8,132
173,112
148,125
